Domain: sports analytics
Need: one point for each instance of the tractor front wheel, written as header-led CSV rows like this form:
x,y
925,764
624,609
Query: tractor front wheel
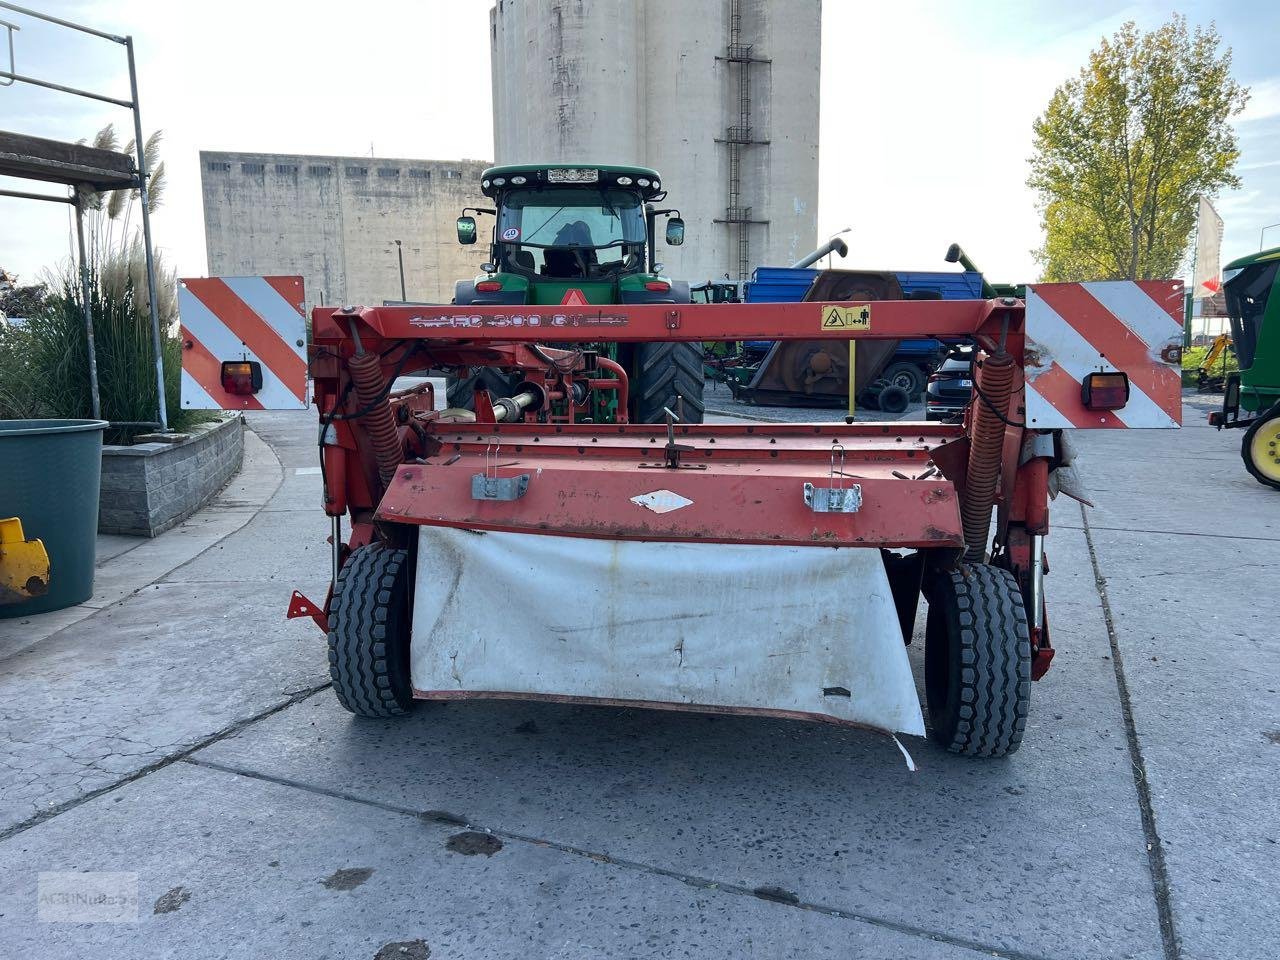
x,y
369,632
977,662
1260,448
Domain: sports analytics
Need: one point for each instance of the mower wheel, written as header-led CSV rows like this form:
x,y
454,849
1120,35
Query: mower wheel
x,y
667,374
907,376
977,661
461,391
1260,448
893,399
369,632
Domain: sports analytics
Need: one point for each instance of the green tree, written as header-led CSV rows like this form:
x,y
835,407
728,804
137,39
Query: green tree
x,y
1123,151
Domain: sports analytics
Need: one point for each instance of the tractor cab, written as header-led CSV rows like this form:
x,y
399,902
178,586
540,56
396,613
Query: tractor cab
x,y
1254,307
575,236
1248,284
585,233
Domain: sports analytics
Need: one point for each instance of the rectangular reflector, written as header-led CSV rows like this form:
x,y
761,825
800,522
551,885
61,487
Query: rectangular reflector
x,y
241,377
1105,391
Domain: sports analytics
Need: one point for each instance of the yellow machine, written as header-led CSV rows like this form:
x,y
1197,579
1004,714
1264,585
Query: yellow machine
x,y
24,564
1207,379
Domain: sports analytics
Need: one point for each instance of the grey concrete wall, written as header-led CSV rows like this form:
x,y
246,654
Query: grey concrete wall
x,y
616,81
149,487
335,220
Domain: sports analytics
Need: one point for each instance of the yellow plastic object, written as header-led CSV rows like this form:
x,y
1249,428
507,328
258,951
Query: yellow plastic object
x,y
24,564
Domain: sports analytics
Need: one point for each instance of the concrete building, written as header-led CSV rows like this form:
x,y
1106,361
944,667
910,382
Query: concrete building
x,y
720,96
336,220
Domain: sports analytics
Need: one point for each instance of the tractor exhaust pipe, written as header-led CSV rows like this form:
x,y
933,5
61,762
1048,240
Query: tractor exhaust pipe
x,y
834,245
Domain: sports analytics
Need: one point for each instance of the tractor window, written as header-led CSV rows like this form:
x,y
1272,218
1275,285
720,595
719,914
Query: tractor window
x,y
571,233
1247,296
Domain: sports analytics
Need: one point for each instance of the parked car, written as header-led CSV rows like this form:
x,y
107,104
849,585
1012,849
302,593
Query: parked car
x,y
950,387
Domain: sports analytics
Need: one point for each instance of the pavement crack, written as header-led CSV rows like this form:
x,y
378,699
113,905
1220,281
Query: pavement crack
x,y
1155,849
789,902
228,731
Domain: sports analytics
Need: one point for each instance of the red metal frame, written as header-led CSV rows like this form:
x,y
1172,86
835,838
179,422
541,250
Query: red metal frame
x,y
743,481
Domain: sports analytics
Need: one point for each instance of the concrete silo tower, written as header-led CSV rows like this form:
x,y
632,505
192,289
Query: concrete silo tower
x,y
720,96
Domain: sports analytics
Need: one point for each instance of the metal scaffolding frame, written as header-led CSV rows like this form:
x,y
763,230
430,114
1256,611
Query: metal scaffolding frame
x,y
78,180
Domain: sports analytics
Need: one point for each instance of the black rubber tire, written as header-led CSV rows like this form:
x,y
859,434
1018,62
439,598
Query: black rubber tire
x,y
1266,421
893,399
662,372
369,633
977,661
460,392
907,376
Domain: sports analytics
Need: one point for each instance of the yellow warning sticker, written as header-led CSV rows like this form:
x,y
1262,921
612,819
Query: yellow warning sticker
x,y
856,317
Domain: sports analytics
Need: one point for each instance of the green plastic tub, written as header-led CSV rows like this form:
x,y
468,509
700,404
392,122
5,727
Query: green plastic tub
x,y
50,472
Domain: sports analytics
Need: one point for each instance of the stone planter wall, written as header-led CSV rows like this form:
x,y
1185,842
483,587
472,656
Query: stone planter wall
x,y
149,487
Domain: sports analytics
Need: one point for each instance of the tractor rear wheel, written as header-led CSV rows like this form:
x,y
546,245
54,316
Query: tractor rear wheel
x,y
977,663
1260,448
369,632
666,374
460,392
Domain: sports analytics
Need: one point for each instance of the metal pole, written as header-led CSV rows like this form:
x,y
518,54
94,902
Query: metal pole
x,y
1264,233
400,254
146,239
88,313
62,23
853,379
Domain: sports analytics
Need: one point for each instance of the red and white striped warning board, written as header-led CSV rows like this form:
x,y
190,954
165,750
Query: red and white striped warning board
x,y
255,320
1074,329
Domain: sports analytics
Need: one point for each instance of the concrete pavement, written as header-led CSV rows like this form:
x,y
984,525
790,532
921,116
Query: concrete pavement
x,y
181,732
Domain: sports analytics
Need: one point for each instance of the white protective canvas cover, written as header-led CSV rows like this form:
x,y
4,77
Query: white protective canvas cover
x,y
797,630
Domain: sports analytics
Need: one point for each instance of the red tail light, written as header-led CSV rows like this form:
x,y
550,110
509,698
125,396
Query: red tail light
x,y
658,286
241,377
1105,391
489,286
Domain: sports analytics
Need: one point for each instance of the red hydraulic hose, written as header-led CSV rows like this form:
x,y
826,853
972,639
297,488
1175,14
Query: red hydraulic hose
x,y
994,384
616,369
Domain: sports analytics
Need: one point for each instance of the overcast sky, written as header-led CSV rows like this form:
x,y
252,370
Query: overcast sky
x,y
926,107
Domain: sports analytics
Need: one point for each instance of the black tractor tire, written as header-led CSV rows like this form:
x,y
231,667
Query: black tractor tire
x,y
1260,444
977,663
670,375
369,632
907,376
460,392
893,399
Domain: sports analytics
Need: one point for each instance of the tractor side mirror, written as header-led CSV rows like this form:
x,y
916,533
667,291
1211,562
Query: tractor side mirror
x,y
466,230
675,232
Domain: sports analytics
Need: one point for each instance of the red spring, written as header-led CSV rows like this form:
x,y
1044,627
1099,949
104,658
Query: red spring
x,y
380,422
994,377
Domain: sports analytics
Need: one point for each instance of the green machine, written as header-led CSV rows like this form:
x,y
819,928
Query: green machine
x,y
578,235
1254,307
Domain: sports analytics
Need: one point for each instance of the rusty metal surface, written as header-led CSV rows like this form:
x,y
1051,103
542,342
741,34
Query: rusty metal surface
x,y
473,325
816,372
731,501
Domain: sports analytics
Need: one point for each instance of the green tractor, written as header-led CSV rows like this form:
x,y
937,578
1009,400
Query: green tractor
x,y
1254,306
582,235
